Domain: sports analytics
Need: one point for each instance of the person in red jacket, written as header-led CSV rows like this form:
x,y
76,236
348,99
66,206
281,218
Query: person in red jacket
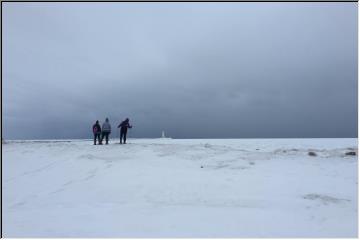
x,y
124,125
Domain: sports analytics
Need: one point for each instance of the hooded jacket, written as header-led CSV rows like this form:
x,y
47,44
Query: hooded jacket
x,y
96,128
124,125
106,127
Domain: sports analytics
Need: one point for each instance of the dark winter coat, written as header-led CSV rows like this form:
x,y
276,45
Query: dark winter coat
x,y
96,128
124,125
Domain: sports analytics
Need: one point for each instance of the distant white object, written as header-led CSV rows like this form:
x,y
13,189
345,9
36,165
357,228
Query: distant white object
x,y
163,134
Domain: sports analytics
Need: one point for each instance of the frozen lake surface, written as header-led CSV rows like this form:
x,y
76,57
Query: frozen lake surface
x,y
180,188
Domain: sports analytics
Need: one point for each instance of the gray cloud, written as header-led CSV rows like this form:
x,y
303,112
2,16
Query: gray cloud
x,y
195,70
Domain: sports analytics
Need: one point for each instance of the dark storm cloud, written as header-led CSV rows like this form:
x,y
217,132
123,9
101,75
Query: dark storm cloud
x,y
192,69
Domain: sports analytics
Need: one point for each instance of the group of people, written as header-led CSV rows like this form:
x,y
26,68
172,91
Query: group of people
x,y
103,132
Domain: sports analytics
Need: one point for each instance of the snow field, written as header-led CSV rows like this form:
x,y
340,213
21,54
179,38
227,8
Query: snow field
x,y
180,188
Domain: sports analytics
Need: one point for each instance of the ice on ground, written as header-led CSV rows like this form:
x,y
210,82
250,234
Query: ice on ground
x,y
180,188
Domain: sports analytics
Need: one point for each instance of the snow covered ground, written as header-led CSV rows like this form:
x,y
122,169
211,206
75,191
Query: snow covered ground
x,y
180,188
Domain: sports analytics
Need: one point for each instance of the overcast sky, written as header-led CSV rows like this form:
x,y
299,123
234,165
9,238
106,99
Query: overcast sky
x,y
194,70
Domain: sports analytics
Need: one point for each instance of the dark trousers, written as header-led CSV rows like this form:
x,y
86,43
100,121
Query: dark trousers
x,y
97,135
106,135
123,133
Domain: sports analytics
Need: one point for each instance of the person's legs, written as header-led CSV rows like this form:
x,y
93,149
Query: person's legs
x,y
99,139
125,132
102,136
121,136
94,138
107,137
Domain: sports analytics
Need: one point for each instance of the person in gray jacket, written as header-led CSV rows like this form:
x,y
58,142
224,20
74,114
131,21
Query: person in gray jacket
x,y
106,130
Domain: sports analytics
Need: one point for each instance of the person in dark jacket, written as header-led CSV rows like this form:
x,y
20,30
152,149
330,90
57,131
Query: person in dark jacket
x,y
124,125
97,131
106,130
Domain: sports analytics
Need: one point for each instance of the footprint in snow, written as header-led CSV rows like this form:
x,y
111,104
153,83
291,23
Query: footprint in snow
x,y
324,199
58,190
18,204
